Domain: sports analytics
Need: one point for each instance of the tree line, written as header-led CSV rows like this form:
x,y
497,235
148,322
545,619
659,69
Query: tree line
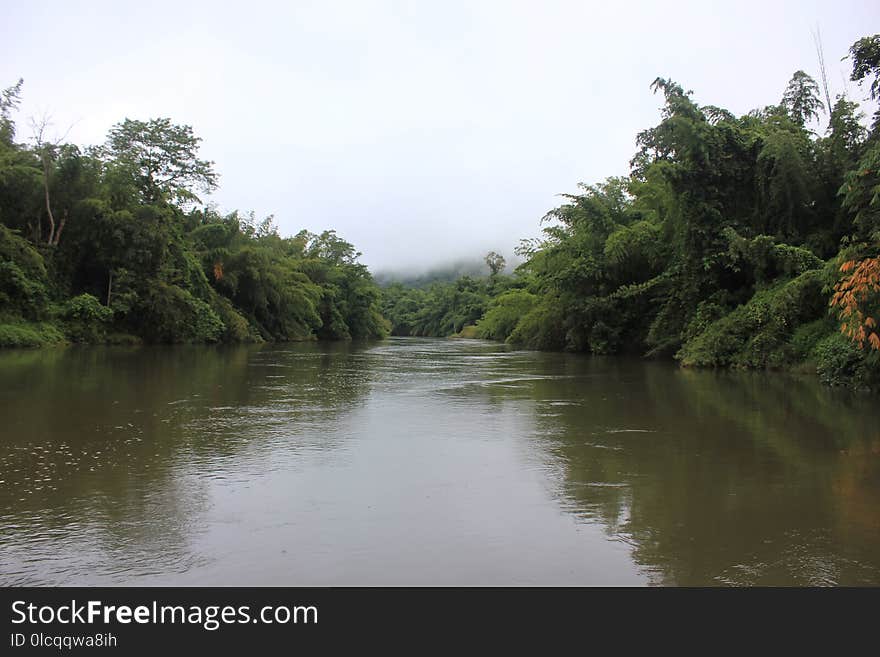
x,y
109,244
735,241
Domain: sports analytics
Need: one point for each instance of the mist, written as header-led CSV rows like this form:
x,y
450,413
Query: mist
x,y
423,134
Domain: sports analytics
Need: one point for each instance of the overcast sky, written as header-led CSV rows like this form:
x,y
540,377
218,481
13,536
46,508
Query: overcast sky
x,y
420,131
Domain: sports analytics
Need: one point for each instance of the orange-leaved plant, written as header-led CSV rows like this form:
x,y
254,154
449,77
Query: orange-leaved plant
x,y
852,296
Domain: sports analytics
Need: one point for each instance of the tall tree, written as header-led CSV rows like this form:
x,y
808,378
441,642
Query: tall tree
x,y
865,55
801,98
495,262
9,101
162,157
48,151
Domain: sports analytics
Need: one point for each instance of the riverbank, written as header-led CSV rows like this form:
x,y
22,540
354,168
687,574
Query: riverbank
x,y
35,335
815,350
812,352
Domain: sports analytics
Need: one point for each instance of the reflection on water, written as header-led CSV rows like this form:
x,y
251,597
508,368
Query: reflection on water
x,y
416,461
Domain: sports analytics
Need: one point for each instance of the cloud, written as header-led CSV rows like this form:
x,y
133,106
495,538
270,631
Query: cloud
x,y
421,132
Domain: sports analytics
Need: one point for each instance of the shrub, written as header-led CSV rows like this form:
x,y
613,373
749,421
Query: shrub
x,y
236,327
171,314
85,319
756,334
29,335
542,327
806,337
839,362
504,313
603,339
23,281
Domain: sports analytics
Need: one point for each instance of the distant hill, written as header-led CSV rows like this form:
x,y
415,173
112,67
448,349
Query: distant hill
x,y
438,274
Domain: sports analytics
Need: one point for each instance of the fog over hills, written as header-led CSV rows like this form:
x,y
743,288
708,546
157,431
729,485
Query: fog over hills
x,y
443,272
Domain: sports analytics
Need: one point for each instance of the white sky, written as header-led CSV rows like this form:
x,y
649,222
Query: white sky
x,y
421,131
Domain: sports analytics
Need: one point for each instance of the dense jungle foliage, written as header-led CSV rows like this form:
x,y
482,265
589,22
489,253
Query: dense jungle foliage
x,y
106,245
750,241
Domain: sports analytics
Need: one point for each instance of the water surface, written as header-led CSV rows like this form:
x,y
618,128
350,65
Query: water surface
x,y
414,461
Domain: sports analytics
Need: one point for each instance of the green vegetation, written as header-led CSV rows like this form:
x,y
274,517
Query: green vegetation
x,y
107,245
748,241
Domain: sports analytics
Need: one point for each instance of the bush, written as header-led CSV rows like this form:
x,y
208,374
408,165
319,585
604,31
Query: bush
x,y
504,313
756,334
29,335
839,362
542,327
86,319
806,337
603,339
171,314
23,281
236,327
707,312
768,260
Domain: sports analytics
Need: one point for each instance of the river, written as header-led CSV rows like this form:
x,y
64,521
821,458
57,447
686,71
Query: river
x,y
419,461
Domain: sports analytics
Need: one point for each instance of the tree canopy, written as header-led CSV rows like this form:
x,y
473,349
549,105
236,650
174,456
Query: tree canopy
x,y
161,158
108,244
734,241
743,241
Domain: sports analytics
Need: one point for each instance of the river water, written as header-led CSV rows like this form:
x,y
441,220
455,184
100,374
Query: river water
x,y
418,461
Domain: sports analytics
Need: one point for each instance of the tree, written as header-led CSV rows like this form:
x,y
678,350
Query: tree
x,y
845,133
162,158
48,152
328,246
19,171
9,101
784,181
495,262
801,98
75,177
857,295
865,54
839,153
